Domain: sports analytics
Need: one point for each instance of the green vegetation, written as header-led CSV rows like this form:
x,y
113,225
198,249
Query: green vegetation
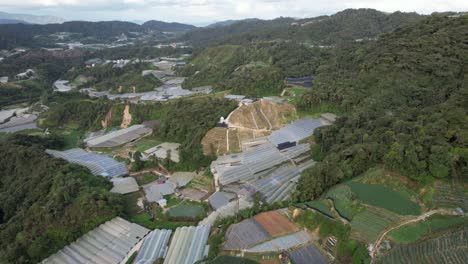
x,y
145,178
231,260
344,201
252,70
118,80
46,203
370,222
320,206
347,250
411,233
384,197
186,212
405,108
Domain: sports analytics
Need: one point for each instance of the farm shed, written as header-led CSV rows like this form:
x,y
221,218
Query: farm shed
x,y
107,244
203,89
4,79
275,223
155,192
296,131
98,164
234,97
328,117
124,185
188,245
307,255
220,199
282,243
119,137
154,246
161,151
244,235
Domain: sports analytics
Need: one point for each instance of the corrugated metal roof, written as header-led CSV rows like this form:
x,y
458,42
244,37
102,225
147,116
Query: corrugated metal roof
x,y
220,199
307,255
108,243
124,185
244,235
155,192
119,137
98,164
154,247
188,245
282,243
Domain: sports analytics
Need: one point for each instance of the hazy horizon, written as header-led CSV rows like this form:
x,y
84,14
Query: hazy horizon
x,y
202,12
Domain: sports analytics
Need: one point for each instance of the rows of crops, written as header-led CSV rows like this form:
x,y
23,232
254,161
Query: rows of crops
x,y
450,196
446,248
368,224
382,196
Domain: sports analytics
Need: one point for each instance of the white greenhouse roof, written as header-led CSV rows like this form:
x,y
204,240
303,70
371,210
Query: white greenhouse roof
x,y
124,185
119,137
188,245
109,243
98,164
154,247
296,131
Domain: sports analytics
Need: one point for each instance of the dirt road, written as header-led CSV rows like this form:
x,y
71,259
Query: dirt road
x,y
422,217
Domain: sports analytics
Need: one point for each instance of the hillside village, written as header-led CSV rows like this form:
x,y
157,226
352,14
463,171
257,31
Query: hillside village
x,y
333,139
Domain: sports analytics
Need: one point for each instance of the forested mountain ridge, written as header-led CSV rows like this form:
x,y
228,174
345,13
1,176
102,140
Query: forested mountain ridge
x,y
14,35
251,69
46,203
406,99
347,25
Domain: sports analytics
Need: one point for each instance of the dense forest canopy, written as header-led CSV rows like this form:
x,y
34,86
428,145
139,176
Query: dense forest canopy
x,y
46,203
347,25
406,97
253,69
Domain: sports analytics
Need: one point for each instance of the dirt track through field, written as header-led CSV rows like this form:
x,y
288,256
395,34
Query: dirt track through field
x,y
422,217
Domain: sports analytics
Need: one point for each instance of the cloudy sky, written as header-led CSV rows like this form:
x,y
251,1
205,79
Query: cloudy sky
x,y
204,11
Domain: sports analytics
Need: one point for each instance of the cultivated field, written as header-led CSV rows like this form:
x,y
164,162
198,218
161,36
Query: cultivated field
x,y
445,248
186,211
368,224
384,197
321,206
450,196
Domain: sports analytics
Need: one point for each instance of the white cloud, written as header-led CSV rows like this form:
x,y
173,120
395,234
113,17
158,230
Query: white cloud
x,y
211,10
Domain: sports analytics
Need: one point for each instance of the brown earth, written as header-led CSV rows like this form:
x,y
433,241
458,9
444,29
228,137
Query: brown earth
x,y
127,117
250,122
275,223
262,114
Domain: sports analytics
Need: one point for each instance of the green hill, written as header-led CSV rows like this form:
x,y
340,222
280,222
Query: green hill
x,y
406,104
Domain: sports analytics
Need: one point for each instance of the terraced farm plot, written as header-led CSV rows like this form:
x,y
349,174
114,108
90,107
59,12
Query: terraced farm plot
x,y
263,115
384,197
445,248
368,224
215,141
450,196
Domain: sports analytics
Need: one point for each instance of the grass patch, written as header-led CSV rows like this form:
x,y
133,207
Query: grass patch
x,y
384,197
146,143
327,227
186,212
344,201
145,178
320,206
413,232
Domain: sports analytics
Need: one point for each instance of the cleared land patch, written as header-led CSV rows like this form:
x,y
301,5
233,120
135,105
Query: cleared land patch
x,y
275,223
